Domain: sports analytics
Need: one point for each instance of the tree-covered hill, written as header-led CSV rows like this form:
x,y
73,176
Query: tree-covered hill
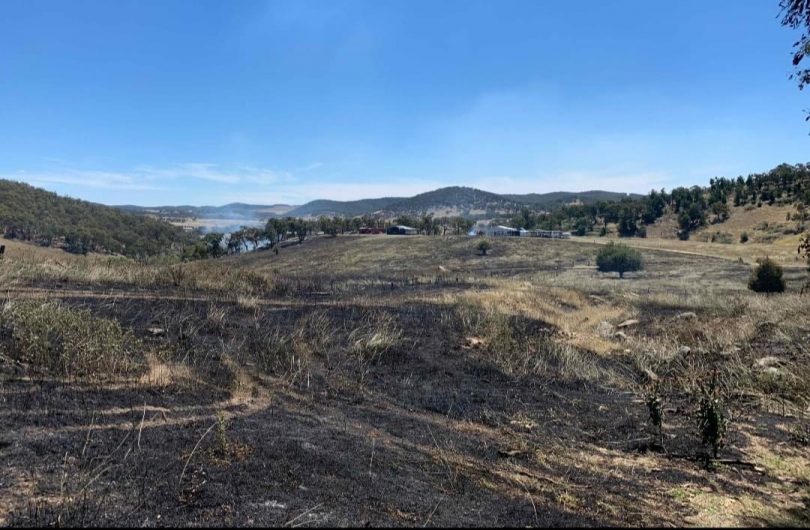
x,y
555,199
342,208
462,199
32,214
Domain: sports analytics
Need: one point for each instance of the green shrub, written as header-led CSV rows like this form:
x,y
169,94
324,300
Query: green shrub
x,y
655,409
618,258
712,418
483,246
767,277
744,237
58,340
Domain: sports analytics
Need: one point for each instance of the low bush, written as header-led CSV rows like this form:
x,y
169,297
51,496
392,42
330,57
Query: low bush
x,y
767,277
483,246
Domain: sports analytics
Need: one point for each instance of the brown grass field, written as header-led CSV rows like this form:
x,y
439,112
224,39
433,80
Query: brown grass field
x,y
401,381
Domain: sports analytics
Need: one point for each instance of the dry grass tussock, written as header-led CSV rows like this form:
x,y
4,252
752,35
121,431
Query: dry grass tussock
x,y
66,342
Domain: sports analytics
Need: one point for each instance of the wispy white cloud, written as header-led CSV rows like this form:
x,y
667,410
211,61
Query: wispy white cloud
x,y
309,167
82,179
215,173
152,178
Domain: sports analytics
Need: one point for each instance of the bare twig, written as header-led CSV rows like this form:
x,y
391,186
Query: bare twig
x,y
530,500
182,474
291,521
431,513
140,429
371,461
89,432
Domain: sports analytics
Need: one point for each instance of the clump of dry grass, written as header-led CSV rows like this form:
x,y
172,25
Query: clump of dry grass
x,y
522,346
375,335
217,317
288,352
59,340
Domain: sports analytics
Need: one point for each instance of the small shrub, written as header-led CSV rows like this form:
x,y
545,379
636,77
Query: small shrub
x,y
744,237
655,408
618,258
804,248
225,449
483,246
712,418
767,277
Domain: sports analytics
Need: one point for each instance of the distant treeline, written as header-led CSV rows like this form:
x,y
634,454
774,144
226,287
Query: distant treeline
x,y
217,244
694,207
32,214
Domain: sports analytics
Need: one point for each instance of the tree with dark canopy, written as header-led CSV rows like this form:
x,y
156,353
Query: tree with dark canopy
x,y
767,277
618,258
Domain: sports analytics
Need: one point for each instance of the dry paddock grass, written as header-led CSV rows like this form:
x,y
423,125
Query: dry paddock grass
x,y
396,381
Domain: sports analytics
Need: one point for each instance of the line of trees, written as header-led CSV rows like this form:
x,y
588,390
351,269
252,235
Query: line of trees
x,y
246,238
693,207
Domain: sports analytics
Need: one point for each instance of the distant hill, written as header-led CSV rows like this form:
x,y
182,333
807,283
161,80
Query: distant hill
x,y
453,201
555,199
450,201
234,210
35,215
342,208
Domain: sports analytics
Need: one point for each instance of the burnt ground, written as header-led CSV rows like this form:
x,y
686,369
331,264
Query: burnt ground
x,y
432,434
225,424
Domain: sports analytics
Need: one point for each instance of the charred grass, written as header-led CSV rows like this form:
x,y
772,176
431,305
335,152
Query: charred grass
x,y
352,381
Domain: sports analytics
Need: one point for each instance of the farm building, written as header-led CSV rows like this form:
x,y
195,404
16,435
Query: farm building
x,y
494,230
402,230
374,230
554,234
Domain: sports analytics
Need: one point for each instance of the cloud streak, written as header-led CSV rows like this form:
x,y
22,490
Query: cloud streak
x,y
145,178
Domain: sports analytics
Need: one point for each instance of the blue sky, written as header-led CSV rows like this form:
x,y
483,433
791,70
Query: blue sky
x,y
201,102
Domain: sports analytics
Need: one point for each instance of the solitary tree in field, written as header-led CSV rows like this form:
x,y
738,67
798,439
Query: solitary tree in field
x,y
618,258
767,277
483,246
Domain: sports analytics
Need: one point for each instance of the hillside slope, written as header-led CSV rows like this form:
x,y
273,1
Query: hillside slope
x,y
549,201
453,200
35,215
342,208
